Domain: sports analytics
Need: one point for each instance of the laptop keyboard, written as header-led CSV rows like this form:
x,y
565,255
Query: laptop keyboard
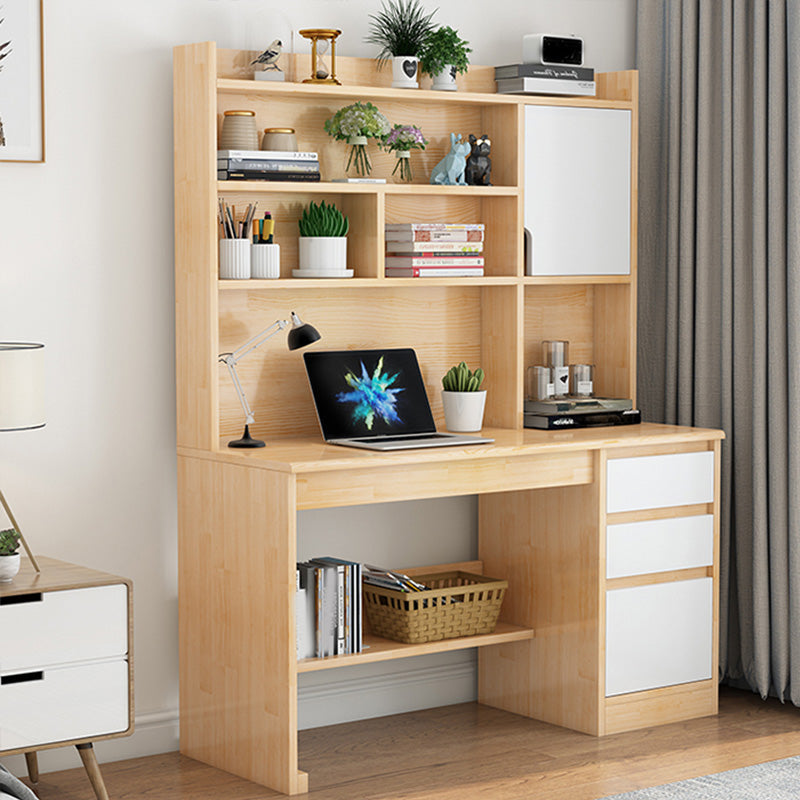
x,y
406,438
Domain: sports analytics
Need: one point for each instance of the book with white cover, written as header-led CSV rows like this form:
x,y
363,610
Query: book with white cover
x,y
435,226
260,155
438,247
434,272
545,86
454,261
435,235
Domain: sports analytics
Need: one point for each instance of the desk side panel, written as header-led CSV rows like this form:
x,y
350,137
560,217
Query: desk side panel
x,y
238,684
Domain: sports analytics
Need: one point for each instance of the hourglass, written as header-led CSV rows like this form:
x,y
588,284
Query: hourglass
x,y
322,41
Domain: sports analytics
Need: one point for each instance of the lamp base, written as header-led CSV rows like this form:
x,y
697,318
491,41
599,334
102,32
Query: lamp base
x,y
246,440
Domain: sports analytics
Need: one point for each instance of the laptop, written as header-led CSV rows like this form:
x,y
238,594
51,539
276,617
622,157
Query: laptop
x,y
376,400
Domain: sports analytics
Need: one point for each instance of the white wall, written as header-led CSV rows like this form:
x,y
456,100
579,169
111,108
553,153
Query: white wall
x,y
86,267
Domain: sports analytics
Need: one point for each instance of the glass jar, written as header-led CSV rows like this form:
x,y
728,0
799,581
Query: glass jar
x,y
279,139
238,131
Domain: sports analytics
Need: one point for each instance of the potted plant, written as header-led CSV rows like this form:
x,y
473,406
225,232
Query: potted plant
x,y
399,29
9,555
401,140
443,56
356,124
323,242
463,399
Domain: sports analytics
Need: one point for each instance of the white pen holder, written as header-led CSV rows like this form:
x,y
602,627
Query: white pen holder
x,y
234,258
266,261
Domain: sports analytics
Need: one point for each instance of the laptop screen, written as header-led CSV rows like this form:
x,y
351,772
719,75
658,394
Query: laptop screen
x,y
361,393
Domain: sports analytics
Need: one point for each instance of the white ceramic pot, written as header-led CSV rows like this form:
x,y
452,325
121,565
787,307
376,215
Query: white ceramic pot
x,y
9,567
445,81
463,411
405,70
234,258
323,253
265,261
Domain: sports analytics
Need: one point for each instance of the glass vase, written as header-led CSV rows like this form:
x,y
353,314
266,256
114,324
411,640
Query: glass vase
x,y
402,169
358,162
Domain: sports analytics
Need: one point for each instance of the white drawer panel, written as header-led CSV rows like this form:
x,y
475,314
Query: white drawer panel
x,y
659,545
658,635
681,479
66,703
62,627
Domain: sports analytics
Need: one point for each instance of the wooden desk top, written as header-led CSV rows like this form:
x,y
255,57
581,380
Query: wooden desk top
x,y
56,576
311,454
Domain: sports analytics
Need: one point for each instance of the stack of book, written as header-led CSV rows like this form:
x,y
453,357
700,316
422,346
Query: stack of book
x,y
328,608
434,250
539,79
267,165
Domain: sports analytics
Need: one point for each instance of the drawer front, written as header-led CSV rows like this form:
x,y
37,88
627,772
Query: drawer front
x,y
658,635
56,705
64,627
659,545
680,479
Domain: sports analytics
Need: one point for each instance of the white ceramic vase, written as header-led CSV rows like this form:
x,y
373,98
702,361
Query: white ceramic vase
x,y
445,81
323,254
9,567
405,70
463,411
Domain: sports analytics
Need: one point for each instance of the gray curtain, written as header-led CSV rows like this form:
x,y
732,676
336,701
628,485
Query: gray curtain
x,y
719,293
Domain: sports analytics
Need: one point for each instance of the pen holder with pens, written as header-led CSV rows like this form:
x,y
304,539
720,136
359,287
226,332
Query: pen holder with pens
x,y
265,261
234,258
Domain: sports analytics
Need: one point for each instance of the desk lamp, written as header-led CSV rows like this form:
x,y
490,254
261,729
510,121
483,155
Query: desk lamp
x,y
21,401
300,335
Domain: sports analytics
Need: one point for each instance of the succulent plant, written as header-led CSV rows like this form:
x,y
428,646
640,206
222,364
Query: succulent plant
x,y
9,542
460,379
323,220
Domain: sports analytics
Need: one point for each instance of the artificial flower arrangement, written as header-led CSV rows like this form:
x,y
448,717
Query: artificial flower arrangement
x,y
356,124
401,140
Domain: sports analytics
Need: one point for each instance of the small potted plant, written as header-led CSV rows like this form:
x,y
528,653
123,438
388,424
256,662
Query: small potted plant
x,y
443,56
356,124
9,555
399,29
323,242
463,399
401,140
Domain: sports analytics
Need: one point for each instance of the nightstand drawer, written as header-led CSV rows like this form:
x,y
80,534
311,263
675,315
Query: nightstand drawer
x,y
63,704
63,627
659,545
679,479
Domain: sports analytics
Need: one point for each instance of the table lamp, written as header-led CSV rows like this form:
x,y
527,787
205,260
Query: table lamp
x,y
21,401
300,335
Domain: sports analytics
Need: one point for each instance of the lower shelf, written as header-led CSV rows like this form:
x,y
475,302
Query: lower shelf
x,y
385,649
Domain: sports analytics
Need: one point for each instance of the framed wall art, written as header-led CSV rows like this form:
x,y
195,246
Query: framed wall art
x,y
21,81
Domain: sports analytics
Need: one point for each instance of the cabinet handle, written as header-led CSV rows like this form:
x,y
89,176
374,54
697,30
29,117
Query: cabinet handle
x,y
22,677
15,599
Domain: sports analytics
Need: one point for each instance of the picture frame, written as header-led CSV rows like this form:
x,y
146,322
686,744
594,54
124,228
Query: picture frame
x,y
22,81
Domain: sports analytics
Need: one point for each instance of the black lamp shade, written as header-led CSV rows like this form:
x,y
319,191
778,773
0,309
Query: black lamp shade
x,y
302,336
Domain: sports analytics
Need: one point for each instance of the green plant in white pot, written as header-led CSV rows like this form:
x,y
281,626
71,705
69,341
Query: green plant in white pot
x,y
444,55
9,554
463,399
323,242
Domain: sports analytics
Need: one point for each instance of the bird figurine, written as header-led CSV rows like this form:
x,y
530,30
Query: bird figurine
x,y
268,58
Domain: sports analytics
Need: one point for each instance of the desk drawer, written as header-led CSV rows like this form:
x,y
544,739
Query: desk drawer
x,y
659,545
63,704
679,479
62,627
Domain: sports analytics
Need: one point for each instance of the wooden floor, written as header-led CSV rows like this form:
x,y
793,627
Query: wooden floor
x,y
470,752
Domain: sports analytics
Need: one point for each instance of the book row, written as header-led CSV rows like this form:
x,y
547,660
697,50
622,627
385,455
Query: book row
x,y
434,250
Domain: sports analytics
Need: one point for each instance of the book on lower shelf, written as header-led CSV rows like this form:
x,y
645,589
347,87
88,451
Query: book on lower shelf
x,y
434,272
440,261
433,232
438,247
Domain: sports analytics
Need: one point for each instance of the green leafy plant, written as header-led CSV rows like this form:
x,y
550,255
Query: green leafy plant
x,y
323,220
9,542
355,124
444,47
461,379
399,29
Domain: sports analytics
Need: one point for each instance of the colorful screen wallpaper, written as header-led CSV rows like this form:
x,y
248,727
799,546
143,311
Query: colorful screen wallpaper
x,y
368,392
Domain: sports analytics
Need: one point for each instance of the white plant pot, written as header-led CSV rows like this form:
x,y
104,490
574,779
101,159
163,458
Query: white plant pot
x,y
9,567
463,411
323,253
445,81
405,70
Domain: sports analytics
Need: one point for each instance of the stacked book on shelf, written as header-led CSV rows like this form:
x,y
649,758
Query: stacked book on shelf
x,y
267,165
434,250
540,79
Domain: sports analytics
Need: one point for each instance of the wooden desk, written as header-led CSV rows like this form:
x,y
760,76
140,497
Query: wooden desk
x,y
547,502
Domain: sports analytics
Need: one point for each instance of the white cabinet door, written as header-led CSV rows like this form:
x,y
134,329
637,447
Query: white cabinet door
x,y
658,635
577,191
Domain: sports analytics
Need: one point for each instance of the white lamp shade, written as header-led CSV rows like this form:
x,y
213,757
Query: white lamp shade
x,y
21,386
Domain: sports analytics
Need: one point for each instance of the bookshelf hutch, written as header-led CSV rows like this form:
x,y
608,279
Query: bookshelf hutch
x,y
543,513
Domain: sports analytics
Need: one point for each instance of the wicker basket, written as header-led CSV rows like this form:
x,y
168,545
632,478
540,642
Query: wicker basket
x,y
458,604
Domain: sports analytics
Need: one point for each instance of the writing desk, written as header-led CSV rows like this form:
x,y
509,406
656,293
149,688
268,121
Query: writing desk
x,y
608,538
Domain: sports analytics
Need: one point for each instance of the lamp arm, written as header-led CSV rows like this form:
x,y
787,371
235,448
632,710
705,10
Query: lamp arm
x,y
256,341
231,365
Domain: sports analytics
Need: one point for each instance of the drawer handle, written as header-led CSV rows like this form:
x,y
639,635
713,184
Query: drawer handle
x,y
22,677
15,599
